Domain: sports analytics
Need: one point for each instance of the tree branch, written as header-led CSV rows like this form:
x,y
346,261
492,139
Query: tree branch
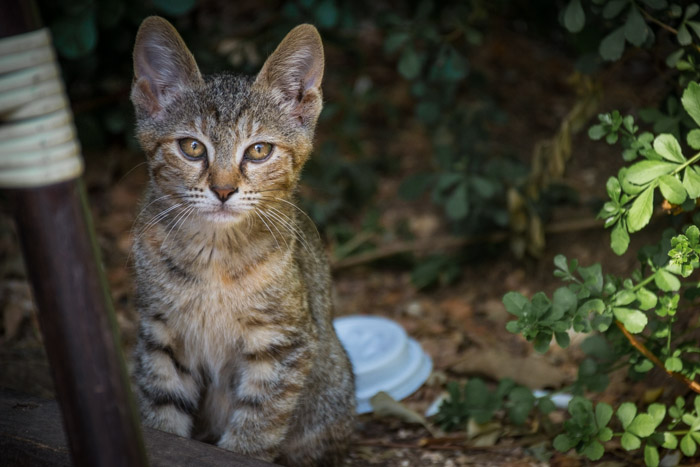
x,y
693,385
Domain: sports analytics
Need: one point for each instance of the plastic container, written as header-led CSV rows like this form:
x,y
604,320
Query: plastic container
x,y
383,358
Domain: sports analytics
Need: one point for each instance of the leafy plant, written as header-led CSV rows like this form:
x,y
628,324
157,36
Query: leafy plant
x,y
475,400
664,167
643,307
632,321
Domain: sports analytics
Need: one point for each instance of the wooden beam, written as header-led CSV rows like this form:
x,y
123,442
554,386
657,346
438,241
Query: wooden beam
x,y
31,434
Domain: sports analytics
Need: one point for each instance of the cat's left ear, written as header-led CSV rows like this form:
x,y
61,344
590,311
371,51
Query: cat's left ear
x,y
293,73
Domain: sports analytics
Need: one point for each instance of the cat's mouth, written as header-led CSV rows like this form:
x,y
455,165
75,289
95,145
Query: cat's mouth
x,y
222,214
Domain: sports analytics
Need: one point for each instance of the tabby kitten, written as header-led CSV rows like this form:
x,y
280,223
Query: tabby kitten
x,y
236,344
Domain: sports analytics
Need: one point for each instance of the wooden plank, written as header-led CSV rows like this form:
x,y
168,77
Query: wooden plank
x,y
78,325
31,434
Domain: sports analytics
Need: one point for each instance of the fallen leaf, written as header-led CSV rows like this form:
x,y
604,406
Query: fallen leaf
x,y
384,405
532,371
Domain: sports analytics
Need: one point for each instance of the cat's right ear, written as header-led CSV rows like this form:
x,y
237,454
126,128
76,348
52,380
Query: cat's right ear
x,y
163,66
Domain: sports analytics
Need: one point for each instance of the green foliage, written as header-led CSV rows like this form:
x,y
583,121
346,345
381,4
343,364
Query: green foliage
x,y
663,166
476,401
645,304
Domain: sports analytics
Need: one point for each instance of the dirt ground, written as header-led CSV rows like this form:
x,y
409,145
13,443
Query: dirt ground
x,y
461,326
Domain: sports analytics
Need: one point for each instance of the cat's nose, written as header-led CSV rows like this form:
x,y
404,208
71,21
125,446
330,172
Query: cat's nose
x,y
224,192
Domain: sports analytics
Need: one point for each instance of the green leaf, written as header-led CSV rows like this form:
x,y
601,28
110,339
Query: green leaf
x,y
515,303
596,132
612,186
666,281
174,7
647,299
563,443
410,63
561,263
634,320
674,364
694,138
688,446
672,189
672,59
691,182
643,366
605,434
643,425
613,8
396,40
636,30
594,304
640,213
683,36
626,413
651,455
630,442
563,301
542,341
574,17
619,239
594,451
645,171
612,46
563,339
670,441
624,297
691,101
603,414
666,145
457,206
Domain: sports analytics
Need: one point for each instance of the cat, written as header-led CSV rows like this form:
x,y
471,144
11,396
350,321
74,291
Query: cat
x,y
236,344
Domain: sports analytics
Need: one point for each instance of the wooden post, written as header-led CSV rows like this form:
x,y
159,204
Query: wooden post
x,y
75,313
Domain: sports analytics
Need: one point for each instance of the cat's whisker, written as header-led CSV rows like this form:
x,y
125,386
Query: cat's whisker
x,y
297,208
148,225
291,228
177,220
267,216
154,201
131,170
268,227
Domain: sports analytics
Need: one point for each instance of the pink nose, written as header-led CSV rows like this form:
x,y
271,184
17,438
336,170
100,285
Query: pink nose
x,y
224,192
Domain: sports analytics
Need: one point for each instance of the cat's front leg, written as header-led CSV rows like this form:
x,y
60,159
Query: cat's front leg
x,y
166,390
269,384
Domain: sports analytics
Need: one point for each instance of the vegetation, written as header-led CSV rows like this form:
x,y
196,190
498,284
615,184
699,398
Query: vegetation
x,y
638,321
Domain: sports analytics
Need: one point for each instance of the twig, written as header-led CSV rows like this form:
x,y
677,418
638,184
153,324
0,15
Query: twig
x,y
450,242
664,26
694,385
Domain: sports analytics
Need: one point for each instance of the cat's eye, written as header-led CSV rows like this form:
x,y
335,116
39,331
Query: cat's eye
x,y
258,152
192,149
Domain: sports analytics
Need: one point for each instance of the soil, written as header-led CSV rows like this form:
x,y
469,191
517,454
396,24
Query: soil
x,y
461,325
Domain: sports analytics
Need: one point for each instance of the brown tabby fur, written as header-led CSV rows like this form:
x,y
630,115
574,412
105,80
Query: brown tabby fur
x,y
236,345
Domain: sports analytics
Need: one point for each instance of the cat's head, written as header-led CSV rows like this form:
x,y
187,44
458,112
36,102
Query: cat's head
x,y
223,144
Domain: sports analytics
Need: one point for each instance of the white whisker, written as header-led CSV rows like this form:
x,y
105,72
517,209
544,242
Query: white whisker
x,y
268,227
177,220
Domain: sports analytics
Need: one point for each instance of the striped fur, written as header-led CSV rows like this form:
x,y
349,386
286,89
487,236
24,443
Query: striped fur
x,y
236,345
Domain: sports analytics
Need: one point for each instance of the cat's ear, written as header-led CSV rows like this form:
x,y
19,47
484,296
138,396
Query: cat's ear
x,y
163,66
294,71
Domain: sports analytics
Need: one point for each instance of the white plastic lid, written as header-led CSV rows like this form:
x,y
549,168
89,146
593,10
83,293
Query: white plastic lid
x,y
383,358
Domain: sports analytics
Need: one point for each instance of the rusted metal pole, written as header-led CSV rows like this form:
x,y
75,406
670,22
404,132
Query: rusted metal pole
x,y
75,313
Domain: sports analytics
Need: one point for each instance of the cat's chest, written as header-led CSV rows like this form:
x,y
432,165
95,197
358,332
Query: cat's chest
x,y
236,307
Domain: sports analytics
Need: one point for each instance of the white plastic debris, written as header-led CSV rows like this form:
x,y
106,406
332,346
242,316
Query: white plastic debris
x,y
383,358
